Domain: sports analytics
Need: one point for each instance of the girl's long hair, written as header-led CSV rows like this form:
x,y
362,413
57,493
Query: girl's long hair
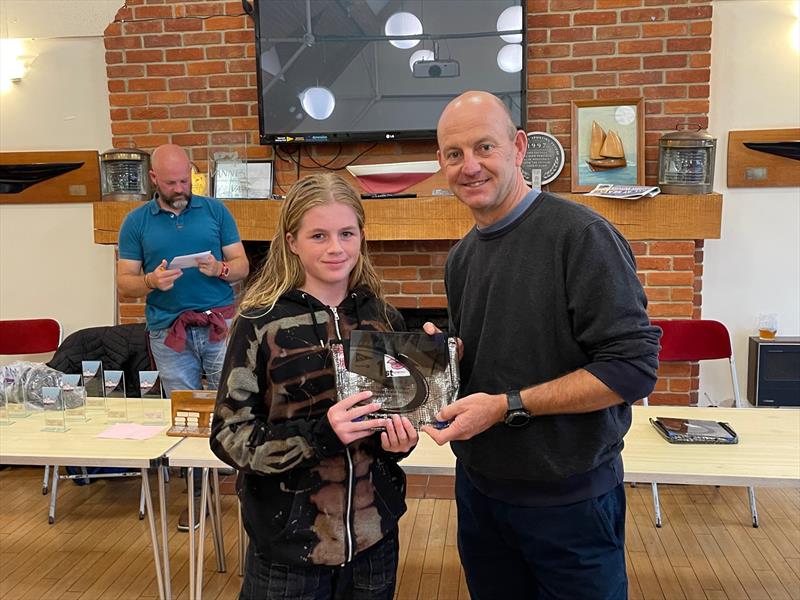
x,y
282,269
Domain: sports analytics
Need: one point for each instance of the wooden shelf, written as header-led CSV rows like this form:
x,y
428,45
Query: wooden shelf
x,y
665,217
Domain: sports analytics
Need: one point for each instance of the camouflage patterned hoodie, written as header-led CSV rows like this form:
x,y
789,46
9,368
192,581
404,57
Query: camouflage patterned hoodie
x,y
306,498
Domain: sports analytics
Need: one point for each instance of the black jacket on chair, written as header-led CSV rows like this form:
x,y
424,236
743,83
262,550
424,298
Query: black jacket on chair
x,y
118,347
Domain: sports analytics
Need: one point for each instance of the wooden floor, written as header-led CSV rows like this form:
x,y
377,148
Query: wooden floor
x,y
99,549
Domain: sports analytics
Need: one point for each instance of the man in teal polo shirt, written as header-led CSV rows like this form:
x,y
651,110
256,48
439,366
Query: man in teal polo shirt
x,y
187,309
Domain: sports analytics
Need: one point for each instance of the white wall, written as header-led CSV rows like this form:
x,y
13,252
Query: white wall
x,y
755,266
49,264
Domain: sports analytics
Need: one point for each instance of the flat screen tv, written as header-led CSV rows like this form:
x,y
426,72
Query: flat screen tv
x,y
367,70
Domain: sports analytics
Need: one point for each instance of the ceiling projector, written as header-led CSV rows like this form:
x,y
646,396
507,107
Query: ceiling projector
x,y
436,68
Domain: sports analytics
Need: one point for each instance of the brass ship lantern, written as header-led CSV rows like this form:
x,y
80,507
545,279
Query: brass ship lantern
x,y
124,174
686,161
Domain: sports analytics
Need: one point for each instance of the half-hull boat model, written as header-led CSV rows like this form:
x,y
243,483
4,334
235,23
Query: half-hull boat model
x,y
605,150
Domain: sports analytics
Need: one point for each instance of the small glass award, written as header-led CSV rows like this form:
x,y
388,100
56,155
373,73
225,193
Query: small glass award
x,y
14,393
4,418
55,418
92,371
410,374
116,402
74,396
153,404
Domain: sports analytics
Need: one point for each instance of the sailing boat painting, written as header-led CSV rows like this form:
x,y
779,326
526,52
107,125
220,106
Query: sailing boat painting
x,y
607,143
606,150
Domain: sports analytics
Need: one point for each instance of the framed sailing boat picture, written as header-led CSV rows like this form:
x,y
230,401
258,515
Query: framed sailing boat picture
x,y
607,143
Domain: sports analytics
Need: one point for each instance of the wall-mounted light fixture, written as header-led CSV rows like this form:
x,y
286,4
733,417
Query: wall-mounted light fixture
x,y
14,61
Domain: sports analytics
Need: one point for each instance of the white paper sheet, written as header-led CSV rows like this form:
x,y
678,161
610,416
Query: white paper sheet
x,y
131,431
187,261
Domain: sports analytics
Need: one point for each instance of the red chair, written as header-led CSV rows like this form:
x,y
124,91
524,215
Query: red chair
x,y
29,336
694,340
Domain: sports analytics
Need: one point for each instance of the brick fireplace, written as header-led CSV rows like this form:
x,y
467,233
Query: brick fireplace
x,y
184,71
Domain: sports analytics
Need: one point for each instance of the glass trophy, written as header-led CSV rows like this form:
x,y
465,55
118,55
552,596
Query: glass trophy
x,y
116,402
14,393
55,418
153,404
4,418
92,372
74,396
410,374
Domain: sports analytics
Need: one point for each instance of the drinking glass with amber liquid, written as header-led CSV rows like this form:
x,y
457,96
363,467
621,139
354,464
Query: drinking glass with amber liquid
x,y
767,325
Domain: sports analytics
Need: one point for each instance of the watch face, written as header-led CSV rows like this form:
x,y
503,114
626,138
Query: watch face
x,y
517,418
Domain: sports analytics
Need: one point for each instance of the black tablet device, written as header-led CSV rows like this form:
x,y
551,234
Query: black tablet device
x,y
694,431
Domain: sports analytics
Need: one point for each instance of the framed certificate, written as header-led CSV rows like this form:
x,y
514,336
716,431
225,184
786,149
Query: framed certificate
x,y
242,179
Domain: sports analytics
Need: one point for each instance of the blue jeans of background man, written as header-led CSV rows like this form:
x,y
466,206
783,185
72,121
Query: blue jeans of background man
x,y
371,575
513,552
184,370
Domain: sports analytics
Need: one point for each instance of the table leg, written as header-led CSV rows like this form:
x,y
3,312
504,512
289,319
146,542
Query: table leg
x,y
192,557
162,507
51,512
216,522
201,545
148,500
141,502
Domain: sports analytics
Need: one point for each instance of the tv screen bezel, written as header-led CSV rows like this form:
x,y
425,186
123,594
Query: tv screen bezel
x,y
273,139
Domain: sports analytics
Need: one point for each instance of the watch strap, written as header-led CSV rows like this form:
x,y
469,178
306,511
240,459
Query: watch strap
x,y
516,415
514,400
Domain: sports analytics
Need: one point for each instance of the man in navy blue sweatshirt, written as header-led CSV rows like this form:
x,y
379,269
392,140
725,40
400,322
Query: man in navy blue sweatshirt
x,y
557,344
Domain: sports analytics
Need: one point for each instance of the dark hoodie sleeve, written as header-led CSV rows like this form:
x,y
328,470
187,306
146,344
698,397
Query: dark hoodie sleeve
x,y
609,312
241,435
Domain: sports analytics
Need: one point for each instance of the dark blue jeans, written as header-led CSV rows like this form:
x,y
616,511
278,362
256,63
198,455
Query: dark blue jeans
x,y
371,575
512,552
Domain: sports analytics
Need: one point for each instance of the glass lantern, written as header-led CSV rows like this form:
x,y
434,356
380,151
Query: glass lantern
x,y
124,174
686,161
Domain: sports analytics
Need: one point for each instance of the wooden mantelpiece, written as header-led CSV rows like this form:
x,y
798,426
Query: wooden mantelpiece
x,y
665,217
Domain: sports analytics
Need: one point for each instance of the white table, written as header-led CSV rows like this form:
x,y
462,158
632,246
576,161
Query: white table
x,y
767,455
24,443
768,452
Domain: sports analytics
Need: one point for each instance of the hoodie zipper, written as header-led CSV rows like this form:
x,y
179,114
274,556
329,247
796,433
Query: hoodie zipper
x,y
336,322
348,531
347,520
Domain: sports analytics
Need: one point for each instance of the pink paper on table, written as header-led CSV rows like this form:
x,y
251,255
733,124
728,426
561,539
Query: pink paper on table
x,y
130,431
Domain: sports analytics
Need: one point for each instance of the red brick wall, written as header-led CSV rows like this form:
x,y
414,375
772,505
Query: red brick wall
x,y
184,71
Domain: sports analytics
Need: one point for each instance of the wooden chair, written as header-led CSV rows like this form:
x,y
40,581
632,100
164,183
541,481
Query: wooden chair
x,y
695,340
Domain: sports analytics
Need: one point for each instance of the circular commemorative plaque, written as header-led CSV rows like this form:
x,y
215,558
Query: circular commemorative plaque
x,y
544,154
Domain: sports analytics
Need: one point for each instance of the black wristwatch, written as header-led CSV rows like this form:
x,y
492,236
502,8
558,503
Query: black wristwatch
x,y
516,415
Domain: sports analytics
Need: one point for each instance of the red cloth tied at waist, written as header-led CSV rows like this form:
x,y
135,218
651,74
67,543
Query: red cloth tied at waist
x,y
213,318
